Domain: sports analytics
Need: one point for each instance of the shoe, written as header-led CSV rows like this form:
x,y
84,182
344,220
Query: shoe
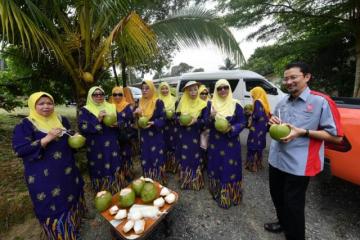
x,y
274,227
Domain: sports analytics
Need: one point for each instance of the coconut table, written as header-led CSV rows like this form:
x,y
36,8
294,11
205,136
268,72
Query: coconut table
x,y
150,223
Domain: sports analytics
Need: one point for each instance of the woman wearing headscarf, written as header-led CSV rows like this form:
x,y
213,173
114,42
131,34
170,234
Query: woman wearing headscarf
x,y
170,129
224,152
152,145
204,137
126,131
53,180
259,118
103,152
188,150
135,150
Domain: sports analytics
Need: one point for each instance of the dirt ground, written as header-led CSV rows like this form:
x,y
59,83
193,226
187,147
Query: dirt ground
x,y
332,212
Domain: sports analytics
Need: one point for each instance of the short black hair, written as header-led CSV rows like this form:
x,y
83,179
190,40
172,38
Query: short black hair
x,y
304,67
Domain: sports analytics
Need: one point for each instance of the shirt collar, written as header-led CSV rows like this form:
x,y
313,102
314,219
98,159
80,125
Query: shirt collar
x,y
303,96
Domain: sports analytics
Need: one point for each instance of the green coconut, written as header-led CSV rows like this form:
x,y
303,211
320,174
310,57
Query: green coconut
x,y
149,192
143,122
278,131
249,107
222,125
126,197
185,119
76,141
169,114
137,185
109,119
103,200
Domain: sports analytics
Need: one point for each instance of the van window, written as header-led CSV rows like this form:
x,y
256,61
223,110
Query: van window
x,y
250,83
210,83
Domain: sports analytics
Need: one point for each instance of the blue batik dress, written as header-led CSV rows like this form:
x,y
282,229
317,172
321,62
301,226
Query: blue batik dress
x,y
53,180
224,161
152,146
256,141
189,152
170,137
106,167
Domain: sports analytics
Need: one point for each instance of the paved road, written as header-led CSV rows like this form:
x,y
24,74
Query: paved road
x,y
332,212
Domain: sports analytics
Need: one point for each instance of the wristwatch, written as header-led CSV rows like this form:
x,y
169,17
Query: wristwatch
x,y
307,133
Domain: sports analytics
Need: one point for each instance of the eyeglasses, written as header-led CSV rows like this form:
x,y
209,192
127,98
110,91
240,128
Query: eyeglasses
x,y
204,94
117,94
222,88
292,78
98,94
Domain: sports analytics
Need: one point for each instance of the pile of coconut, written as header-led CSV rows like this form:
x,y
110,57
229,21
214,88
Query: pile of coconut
x,y
144,188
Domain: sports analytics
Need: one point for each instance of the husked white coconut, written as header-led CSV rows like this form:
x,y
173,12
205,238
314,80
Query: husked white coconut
x,y
128,226
113,210
121,214
139,226
150,212
159,202
170,198
164,191
99,194
135,215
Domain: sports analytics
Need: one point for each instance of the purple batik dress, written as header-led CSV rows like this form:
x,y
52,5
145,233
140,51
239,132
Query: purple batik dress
x,y
152,146
256,141
106,166
189,152
224,161
126,121
53,180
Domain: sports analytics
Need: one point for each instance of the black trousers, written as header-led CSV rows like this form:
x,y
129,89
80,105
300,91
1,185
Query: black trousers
x,y
288,195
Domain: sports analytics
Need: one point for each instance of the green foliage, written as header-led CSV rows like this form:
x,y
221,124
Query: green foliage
x,y
323,33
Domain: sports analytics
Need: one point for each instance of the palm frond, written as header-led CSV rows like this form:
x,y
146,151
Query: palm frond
x,y
133,38
195,26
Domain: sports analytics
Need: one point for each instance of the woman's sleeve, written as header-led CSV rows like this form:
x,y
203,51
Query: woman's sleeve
x,y
24,143
159,115
258,111
88,124
240,122
204,118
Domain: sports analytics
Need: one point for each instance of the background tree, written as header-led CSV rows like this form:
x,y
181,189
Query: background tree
x,y
180,69
228,65
320,23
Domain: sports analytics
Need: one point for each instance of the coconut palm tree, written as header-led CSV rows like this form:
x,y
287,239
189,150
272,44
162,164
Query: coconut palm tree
x,y
81,33
228,65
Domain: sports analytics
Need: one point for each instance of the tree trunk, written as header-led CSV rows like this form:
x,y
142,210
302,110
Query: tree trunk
x,y
357,68
123,73
114,68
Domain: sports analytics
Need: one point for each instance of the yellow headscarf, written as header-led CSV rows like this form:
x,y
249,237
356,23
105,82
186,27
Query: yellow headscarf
x,y
129,96
258,93
201,89
187,105
120,105
147,105
94,107
169,100
44,124
223,107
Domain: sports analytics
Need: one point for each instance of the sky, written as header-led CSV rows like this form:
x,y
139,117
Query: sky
x,y
211,57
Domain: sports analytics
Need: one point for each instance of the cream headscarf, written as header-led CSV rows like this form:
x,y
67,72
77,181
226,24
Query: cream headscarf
x,y
96,108
223,107
169,100
187,105
258,93
44,124
120,105
147,105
